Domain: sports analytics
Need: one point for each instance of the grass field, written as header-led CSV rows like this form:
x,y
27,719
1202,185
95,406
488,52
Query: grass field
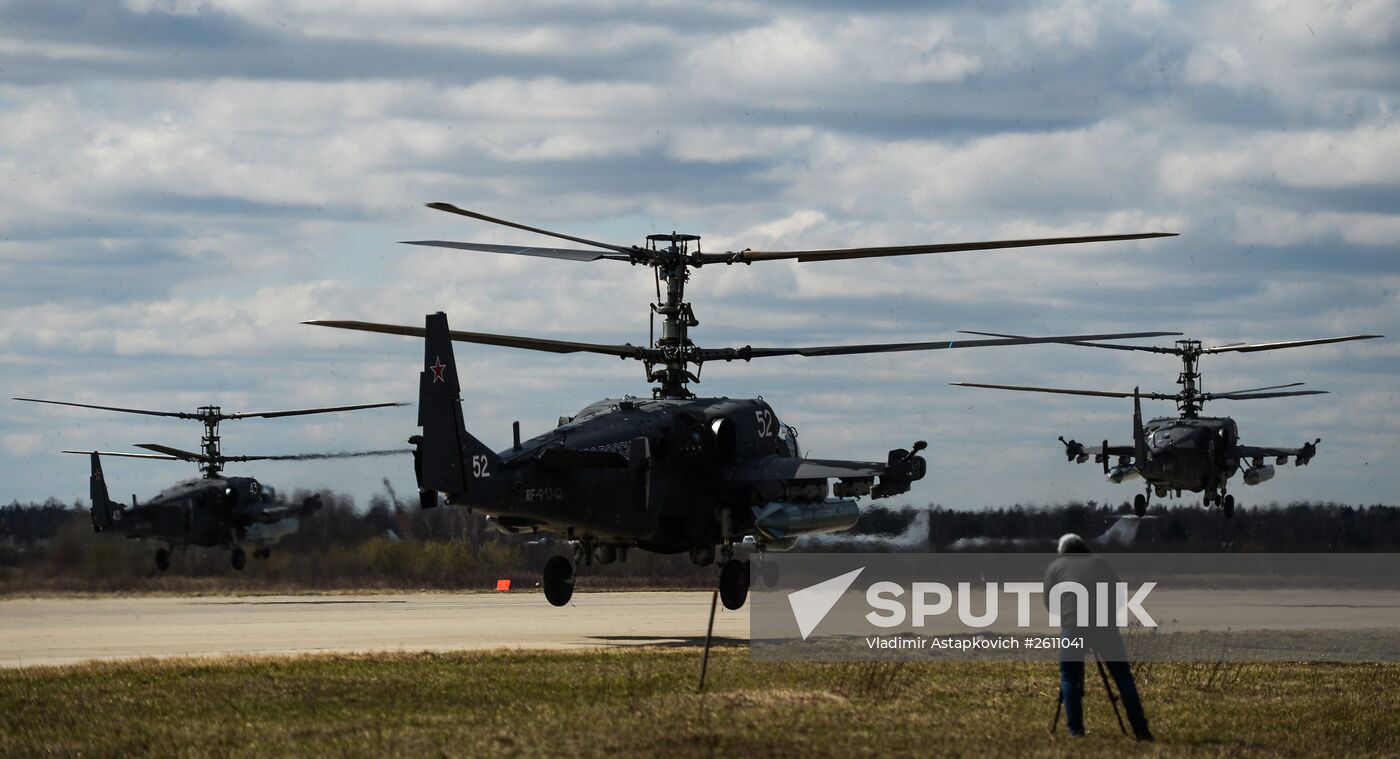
x,y
644,703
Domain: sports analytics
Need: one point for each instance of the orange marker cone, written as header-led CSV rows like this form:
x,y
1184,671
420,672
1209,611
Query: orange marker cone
x,y
503,585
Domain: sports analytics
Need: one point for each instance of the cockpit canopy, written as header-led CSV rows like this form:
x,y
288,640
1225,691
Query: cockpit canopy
x,y
1171,434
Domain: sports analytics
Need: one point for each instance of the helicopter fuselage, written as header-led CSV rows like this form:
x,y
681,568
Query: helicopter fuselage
x,y
1195,454
220,511
664,475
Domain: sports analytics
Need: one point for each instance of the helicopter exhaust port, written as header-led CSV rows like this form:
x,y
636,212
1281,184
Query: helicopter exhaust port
x,y
1257,474
779,522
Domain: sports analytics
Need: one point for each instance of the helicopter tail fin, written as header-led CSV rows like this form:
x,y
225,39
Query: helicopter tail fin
x,y
97,489
450,460
1139,436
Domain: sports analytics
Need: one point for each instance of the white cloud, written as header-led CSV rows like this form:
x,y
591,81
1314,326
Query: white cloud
x,y
170,218
1280,228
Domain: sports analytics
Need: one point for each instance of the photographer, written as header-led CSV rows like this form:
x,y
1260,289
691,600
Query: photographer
x,y
1077,564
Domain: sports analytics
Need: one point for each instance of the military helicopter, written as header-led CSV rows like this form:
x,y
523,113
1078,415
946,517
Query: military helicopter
x,y
214,510
1188,452
673,473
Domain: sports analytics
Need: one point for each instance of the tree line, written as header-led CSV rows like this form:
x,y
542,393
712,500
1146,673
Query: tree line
x,y
389,544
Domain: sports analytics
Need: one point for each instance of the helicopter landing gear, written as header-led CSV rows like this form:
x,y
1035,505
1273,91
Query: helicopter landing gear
x,y
558,580
1227,506
604,554
262,553
767,573
702,555
734,584
238,558
162,559
1140,504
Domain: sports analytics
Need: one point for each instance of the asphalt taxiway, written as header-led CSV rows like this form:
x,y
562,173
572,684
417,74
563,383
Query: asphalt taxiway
x,y
47,631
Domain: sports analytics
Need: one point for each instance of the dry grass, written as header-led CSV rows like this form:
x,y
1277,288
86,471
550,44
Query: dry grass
x,y
643,703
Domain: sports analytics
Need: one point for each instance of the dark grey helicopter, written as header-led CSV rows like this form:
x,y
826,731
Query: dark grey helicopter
x,y
213,510
1189,452
673,473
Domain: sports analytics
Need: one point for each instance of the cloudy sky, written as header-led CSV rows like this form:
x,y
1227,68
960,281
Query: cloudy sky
x,y
186,180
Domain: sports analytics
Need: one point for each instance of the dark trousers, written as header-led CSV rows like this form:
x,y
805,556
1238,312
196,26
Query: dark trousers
x,y
1108,645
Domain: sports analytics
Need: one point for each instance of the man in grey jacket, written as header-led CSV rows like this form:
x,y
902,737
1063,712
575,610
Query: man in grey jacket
x,y
1077,564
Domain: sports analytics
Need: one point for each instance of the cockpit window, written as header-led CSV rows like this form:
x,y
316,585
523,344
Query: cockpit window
x,y
787,440
1173,437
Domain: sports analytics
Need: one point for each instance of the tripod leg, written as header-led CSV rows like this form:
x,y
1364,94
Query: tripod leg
x,y
1059,703
709,634
1112,697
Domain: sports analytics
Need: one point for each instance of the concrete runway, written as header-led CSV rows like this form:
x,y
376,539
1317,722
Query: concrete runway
x,y
46,631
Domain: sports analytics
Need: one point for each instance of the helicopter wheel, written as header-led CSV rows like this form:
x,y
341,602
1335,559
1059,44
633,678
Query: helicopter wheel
x,y
1140,505
558,580
734,584
702,555
1227,505
238,558
162,559
768,574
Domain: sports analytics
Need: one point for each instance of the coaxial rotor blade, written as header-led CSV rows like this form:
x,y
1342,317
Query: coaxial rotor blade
x,y
126,455
342,455
1255,389
507,341
1147,348
221,416
1286,344
1232,347
568,254
305,411
747,352
173,452
173,414
449,208
805,256
1255,396
1061,391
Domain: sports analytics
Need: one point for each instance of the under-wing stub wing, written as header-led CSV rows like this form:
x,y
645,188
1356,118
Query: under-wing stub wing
x,y
786,468
1301,455
1112,450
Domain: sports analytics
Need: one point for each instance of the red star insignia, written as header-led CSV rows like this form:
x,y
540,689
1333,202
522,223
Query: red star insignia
x,y
437,370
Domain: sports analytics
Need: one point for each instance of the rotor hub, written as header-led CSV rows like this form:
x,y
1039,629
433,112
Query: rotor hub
x,y
673,238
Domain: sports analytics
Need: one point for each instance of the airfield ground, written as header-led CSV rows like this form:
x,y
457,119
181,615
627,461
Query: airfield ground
x,y
612,675
68,629
643,702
